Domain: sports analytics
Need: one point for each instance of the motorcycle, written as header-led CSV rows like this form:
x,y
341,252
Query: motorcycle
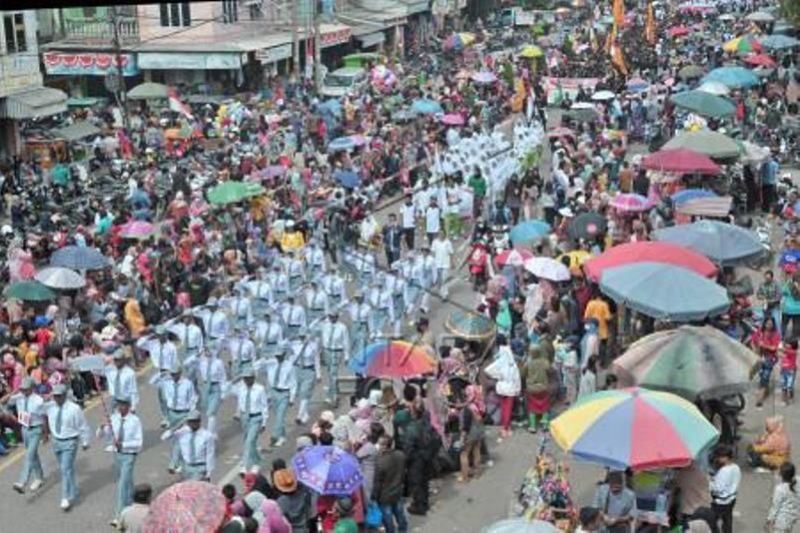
x,y
478,266
501,240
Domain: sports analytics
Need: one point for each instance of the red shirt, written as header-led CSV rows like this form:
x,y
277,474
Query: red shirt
x,y
789,359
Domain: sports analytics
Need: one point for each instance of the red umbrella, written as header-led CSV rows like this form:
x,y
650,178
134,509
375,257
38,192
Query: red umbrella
x,y
678,31
187,506
681,161
654,252
513,257
762,60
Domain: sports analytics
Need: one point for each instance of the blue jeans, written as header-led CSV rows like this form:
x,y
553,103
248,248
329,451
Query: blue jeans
x,y
394,512
123,469
787,379
32,465
65,451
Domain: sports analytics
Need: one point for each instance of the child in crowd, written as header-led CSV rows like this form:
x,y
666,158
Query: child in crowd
x,y
788,370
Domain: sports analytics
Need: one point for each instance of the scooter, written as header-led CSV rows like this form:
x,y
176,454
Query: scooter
x,y
478,266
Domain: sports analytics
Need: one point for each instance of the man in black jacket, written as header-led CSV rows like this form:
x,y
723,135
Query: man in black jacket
x,y
387,488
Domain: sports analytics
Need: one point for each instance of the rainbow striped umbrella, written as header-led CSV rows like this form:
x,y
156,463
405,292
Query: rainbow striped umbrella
x,y
635,428
393,359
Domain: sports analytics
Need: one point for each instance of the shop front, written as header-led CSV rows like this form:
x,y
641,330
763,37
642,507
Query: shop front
x,y
193,69
76,71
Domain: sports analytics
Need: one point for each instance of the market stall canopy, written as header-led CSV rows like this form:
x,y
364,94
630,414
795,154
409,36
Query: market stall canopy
x,y
78,130
733,77
681,161
664,292
60,278
34,103
634,428
723,243
149,91
711,143
655,252
704,103
692,362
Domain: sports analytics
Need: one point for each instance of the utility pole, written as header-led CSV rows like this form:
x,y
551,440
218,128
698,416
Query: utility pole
x,y
295,38
119,90
317,48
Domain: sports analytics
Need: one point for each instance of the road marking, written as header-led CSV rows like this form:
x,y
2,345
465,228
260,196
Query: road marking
x,y
19,453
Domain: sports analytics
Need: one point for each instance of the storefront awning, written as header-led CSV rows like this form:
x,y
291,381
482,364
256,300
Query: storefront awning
x,y
38,102
78,130
371,39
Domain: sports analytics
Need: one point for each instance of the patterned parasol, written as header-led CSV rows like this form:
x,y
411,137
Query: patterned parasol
x,y
328,470
469,325
191,506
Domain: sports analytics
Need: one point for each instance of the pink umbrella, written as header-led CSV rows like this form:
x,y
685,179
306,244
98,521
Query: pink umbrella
x,y
515,257
137,229
273,171
359,140
452,119
630,203
678,31
484,77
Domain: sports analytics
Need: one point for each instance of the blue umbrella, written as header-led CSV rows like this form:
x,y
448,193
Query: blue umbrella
x,y
79,258
426,107
332,106
725,244
529,231
328,470
685,195
347,179
665,292
734,77
779,42
342,144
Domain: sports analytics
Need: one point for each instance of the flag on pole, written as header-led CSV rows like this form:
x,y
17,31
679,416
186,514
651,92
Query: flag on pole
x,y
176,105
650,25
619,13
617,58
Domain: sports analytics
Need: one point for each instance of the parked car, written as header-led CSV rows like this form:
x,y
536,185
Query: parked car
x,y
343,81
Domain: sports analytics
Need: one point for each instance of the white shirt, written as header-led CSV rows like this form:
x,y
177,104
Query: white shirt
x,y
259,402
408,216
365,263
191,336
132,440
186,398
216,324
334,336
260,289
432,220
30,409
360,313
333,284
73,422
241,309
283,378
204,447
315,257
317,301
295,269
305,353
242,349
294,315
269,333
164,356
725,484
279,281
442,250
212,369
127,384
384,300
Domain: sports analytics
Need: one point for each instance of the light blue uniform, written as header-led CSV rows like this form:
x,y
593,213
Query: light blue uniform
x,y
196,453
283,387
334,287
335,349
253,410
211,371
126,434
305,355
30,412
360,318
316,304
68,426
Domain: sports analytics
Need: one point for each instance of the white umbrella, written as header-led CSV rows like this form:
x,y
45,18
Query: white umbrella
x,y
715,87
60,278
600,96
760,16
582,105
547,268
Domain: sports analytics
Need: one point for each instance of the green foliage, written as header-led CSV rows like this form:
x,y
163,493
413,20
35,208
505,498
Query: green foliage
x,y
790,9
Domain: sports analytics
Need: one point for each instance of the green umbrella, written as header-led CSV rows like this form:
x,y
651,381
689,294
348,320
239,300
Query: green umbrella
x,y
703,103
469,325
31,291
711,143
234,191
691,71
689,361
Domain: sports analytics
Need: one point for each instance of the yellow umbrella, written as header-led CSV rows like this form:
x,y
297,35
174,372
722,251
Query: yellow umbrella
x,y
531,52
466,38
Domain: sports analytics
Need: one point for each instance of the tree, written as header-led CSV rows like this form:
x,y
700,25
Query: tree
x,y
790,9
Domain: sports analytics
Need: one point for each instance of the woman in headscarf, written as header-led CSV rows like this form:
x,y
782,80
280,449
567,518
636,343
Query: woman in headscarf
x,y
472,432
535,373
771,449
504,369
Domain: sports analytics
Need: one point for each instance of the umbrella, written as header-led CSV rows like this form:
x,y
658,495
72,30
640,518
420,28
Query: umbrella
x,y
521,525
79,258
681,161
484,76
601,96
469,325
231,192
149,91
60,278
393,359
725,244
556,133
687,195
664,291
529,232
513,257
403,115
689,361
341,144
637,85
760,60
760,16
273,171
779,42
328,470
531,51
452,119
711,143
347,178
426,107
726,17
630,203
636,428
703,103
655,252
88,363
744,43
587,226
186,506
547,268
691,71
582,113
715,87
29,291
574,260
733,77
678,31
137,229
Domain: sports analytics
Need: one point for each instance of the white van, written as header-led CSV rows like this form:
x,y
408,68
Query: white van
x,y
343,81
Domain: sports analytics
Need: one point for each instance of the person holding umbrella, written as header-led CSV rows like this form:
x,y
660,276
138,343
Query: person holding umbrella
x,y
29,406
66,424
124,430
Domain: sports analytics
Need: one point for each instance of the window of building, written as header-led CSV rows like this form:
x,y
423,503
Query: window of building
x,y
89,12
175,14
254,7
14,26
230,11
